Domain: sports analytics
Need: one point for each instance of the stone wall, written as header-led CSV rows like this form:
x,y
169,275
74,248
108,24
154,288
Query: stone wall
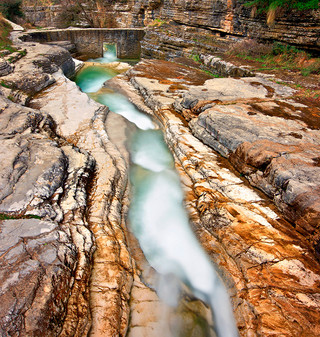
x,y
89,42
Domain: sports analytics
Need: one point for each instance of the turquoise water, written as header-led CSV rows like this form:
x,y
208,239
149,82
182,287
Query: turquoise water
x,y
157,214
120,105
160,222
91,79
110,55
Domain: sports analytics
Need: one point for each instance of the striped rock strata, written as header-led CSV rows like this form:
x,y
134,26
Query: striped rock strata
x,y
270,268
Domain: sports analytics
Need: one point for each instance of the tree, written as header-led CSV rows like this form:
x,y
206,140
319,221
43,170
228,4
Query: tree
x,y
11,8
94,13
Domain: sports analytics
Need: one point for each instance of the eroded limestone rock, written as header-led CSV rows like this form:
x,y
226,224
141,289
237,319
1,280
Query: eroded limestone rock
x,y
36,274
84,123
5,68
270,138
270,269
45,265
33,71
223,68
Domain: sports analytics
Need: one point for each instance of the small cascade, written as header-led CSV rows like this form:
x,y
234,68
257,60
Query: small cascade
x,y
109,54
161,224
158,217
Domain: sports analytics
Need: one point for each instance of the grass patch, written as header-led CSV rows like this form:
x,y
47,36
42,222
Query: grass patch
x,y
212,74
3,84
276,56
4,216
157,23
195,57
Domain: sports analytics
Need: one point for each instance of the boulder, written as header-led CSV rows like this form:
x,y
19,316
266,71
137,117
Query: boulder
x,y
5,68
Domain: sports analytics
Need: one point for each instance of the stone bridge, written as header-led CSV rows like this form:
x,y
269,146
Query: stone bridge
x,y
89,41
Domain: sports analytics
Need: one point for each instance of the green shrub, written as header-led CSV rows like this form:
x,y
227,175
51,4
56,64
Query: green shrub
x,y
5,42
313,68
280,48
11,8
266,5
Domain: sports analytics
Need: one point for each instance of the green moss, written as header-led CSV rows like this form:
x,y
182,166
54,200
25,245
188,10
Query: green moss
x,y
195,57
4,216
3,84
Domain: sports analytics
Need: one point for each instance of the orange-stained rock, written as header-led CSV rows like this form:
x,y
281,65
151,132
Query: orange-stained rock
x,y
269,268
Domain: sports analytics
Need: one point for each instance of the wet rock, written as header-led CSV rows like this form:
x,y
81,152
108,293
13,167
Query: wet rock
x,y
153,317
270,268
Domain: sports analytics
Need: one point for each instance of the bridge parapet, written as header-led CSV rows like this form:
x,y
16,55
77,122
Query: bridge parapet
x,y
89,41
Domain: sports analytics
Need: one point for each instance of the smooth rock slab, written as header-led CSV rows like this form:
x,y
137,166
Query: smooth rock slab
x,y
33,72
276,149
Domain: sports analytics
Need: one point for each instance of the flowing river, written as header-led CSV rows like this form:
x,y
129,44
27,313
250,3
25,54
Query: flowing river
x,y
157,215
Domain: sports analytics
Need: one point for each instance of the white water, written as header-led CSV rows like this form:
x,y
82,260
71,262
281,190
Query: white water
x,y
119,104
160,222
161,225
109,54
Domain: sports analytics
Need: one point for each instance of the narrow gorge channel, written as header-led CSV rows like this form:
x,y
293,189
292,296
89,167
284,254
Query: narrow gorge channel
x,y
157,215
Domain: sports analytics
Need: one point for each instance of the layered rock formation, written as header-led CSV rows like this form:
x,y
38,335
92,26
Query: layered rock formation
x,y
270,268
64,195
64,190
46,247
221,17
48,173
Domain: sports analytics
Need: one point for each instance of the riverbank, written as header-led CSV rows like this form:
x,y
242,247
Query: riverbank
x,y
263,258
65,165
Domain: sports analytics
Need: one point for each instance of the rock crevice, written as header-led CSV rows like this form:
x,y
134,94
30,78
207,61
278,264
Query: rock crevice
x,y
269,267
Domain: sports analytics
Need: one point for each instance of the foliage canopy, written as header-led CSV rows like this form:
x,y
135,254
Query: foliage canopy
x,y
266,5
11,8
